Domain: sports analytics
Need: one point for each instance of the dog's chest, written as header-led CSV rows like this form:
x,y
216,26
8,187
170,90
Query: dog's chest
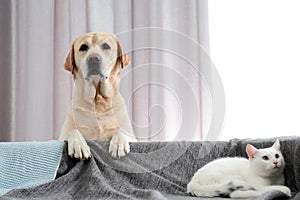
x,y
95,122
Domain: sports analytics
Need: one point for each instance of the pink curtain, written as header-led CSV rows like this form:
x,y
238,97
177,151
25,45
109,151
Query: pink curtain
x,y
165,87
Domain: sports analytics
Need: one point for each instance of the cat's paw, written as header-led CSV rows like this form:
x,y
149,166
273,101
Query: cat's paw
x,y
280,188
239,185
236,185
244,194
285,190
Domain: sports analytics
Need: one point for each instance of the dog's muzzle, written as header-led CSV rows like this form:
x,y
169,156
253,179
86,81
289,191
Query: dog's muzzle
x,y
94,63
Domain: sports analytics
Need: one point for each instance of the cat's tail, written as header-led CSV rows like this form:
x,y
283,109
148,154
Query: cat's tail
x,y
196,189
222,190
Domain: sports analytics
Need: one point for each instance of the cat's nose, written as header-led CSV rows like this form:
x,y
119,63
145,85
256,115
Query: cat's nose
x,y
275,162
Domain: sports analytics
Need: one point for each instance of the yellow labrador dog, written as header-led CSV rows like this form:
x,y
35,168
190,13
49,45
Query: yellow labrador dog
x,y
97,110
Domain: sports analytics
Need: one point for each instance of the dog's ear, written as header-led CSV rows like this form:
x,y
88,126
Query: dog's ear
x,y
70,64
122,56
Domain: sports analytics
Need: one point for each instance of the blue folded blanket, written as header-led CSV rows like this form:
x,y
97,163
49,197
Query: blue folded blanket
x,y
28,164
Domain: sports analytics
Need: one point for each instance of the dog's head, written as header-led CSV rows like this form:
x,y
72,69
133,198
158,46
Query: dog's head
x,y
96,56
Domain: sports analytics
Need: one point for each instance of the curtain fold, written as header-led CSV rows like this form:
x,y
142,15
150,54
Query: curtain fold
x,y
6,71
165,93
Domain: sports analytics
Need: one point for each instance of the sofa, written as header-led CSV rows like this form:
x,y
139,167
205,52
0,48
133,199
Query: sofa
x,y
152,170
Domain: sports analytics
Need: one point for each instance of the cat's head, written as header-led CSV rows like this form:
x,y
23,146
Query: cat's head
x,y
266,162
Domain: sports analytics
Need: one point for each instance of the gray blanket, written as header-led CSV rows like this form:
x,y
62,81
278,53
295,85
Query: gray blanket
x,y
155,170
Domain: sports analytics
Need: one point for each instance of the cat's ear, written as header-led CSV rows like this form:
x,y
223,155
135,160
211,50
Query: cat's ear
x,y
276,145
251,150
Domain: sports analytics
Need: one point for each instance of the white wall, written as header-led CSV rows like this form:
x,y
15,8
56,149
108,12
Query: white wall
x,y
255,46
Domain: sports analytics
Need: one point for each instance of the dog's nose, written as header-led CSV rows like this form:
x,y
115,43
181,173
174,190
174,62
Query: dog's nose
x,y
93,64
94,58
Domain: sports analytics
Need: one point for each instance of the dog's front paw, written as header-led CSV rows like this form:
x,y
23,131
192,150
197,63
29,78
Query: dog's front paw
x,y
77,146
119,145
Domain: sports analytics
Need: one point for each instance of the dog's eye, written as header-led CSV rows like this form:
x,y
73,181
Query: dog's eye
x,y
265,158
105,46
84,47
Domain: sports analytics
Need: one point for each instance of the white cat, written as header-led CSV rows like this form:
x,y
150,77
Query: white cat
x,y
242,178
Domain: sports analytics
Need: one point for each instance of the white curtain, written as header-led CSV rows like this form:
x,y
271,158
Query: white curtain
x,y
165,87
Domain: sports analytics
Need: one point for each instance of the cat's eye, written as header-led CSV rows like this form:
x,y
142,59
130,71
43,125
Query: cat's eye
x,y
276,155
265,158
84,47
105,46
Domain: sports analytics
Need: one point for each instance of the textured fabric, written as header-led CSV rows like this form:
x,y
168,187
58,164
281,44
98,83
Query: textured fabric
x,y
151,171
37,36
28,164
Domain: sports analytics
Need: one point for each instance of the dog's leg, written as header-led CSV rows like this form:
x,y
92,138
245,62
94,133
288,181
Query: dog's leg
x,y
119,145
77,146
